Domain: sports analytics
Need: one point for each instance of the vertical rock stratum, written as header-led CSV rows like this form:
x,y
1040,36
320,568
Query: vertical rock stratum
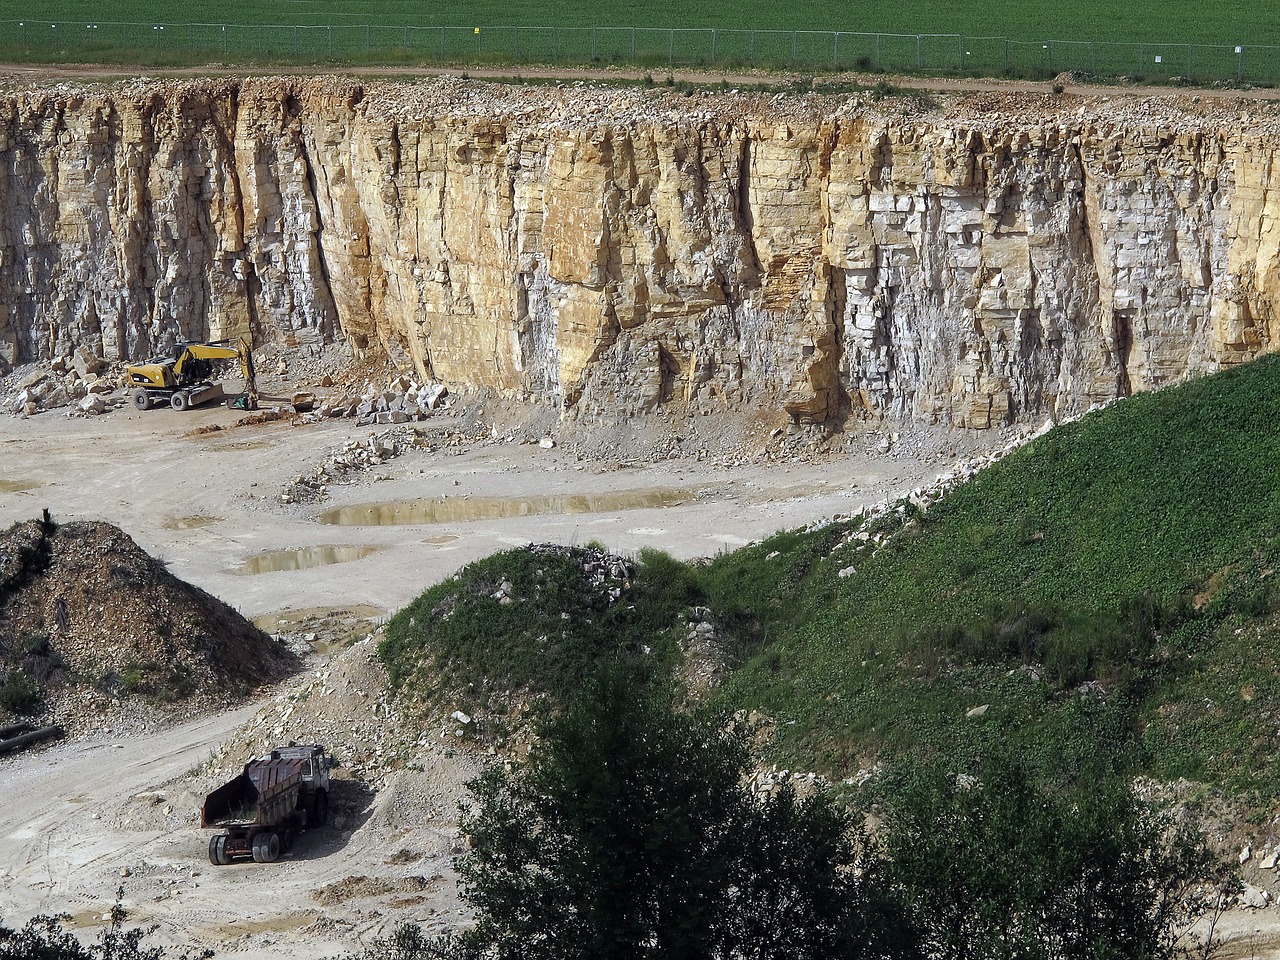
x,y
970,262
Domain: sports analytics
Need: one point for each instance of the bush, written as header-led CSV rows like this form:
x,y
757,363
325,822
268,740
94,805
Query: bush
x,y
43,938
19,694
630,833
997,866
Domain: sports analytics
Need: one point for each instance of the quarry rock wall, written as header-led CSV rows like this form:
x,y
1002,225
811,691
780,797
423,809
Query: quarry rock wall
x,y
970,262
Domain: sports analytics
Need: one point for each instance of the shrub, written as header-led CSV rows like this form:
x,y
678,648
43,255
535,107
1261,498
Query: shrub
x,y
994,865
630,833
19,694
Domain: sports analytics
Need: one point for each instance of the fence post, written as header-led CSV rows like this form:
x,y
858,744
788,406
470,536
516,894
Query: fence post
x,y
633,43
1006,54
919,57
713,44
366,39
593,43
793,47
671,46
877,60
1240,65
835,51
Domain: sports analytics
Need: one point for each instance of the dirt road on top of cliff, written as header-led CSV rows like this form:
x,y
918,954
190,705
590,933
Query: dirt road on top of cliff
x,y
748,78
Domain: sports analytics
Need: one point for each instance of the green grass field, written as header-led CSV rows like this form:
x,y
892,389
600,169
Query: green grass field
x,y
1243,21
1144,39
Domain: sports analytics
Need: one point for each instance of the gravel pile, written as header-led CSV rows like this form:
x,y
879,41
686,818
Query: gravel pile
x,y
111,635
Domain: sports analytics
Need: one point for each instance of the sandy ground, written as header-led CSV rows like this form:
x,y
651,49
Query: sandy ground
x,y
149,474
83,818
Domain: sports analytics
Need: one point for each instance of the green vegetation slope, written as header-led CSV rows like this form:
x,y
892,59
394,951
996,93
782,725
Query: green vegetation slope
x,y
1101,602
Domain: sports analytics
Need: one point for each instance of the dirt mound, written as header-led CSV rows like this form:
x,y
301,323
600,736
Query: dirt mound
x,y
91,623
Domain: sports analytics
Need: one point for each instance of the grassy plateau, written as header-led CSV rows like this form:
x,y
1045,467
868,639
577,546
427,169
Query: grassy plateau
x,y
1194,42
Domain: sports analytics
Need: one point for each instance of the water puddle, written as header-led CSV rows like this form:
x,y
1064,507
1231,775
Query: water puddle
x,y
440,540
463,509
278,561
189,523
17,486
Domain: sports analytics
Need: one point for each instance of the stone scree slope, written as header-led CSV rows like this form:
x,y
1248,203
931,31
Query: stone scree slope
x,y
973,262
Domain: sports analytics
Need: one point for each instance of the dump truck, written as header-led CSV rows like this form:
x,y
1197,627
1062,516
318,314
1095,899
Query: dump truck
x,y
261,811
184,379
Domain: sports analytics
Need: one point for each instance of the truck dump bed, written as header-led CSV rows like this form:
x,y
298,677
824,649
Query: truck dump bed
x,y
264,794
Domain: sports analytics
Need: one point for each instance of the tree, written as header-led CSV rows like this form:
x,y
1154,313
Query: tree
x,y
997,867
630,833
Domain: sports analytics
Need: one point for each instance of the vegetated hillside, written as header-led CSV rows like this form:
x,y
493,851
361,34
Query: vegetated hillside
x,y
89,619
1103,599
522,630
1101,602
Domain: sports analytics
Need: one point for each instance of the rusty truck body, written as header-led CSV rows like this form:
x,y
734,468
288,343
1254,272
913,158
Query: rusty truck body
x,y
268,804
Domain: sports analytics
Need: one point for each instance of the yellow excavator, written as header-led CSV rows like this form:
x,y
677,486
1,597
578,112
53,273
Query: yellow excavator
x,y
184,379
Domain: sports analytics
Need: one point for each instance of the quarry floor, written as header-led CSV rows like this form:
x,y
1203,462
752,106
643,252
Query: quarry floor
x,y
119,808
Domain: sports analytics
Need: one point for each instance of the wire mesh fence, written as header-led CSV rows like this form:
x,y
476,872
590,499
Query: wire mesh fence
x,y
651,47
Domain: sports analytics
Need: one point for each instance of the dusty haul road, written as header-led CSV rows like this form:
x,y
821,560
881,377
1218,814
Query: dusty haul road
x,y
120,807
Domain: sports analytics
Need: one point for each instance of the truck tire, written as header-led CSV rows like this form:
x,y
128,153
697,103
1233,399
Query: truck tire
x,y
180,400
319,809
141,399
266,847
218,850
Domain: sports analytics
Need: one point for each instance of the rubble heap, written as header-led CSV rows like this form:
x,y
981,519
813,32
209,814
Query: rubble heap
x,y
99,628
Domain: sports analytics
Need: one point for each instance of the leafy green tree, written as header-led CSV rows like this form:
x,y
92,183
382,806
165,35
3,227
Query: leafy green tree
x,y
630,834
997,867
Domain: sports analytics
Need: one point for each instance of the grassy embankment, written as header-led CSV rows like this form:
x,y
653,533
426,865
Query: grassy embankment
x,y
1107,594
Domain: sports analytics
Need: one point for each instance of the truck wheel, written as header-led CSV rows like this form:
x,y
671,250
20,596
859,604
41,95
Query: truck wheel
x,y
266,847
320,809
141,399
218,850
180,400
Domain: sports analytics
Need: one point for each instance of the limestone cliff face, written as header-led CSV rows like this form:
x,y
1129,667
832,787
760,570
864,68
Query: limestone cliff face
x,y
620,251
